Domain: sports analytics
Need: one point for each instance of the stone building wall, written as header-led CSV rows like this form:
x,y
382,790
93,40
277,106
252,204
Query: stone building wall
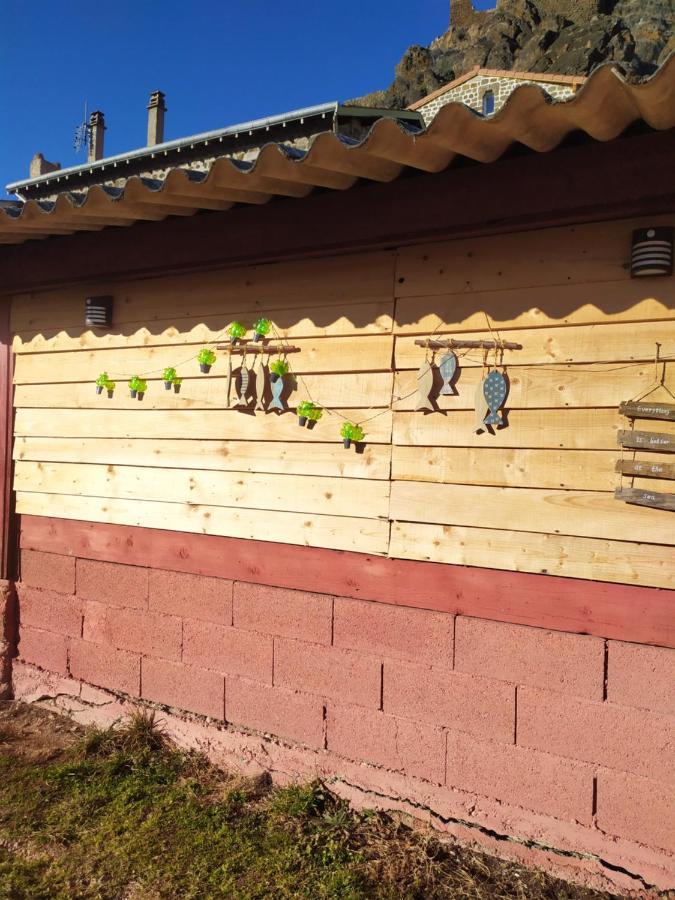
x,y
471,93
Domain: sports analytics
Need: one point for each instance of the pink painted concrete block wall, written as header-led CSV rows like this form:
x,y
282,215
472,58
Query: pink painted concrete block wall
x,y
564,740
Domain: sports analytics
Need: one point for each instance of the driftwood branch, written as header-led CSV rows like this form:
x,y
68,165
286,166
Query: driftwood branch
x,y
254,347
452,344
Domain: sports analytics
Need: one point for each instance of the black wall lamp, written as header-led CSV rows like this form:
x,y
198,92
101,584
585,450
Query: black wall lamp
x,y
652,252
98,312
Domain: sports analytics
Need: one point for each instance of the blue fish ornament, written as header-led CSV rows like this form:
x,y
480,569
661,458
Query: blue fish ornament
x,y
277,388
447,367
495,390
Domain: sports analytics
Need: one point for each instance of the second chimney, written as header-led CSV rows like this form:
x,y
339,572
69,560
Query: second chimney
x,y
156,110
96,129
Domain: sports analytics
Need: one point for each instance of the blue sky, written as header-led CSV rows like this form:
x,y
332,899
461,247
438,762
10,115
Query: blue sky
x,y
218,63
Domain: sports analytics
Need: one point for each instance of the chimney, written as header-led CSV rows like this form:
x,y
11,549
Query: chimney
x,y
41,166
156,110
96,129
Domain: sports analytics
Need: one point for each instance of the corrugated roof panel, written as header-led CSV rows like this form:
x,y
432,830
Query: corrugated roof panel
x,y
603,109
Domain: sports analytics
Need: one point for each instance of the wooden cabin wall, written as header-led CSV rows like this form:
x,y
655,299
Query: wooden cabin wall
x,y
536,496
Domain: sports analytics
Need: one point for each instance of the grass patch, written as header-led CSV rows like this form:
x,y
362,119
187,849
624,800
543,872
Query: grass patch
x,y
122,814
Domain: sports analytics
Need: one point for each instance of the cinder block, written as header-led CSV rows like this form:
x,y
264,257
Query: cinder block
x,y
184,687
410,747
279,611
342,675
228,650
480,706
117,670
140,631
112,583
191,596
618,737
527,778
290,715
51,571
553,660
397,632
44,649
40,608
636,808
641,676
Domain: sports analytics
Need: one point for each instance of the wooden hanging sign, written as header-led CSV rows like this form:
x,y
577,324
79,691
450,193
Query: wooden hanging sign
x,y
643,497
643,469
648,410
647,440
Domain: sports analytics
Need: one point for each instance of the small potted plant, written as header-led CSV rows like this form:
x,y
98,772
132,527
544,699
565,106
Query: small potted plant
x,y
176,385
351,433
206,359
236,332
314,415
137,387
261,328
278,369
102,382
168,377
304,412
110,388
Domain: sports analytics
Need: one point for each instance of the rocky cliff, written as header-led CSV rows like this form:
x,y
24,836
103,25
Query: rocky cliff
x,y
524,35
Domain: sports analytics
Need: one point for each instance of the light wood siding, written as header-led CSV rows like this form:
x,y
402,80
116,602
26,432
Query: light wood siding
x,y
536,496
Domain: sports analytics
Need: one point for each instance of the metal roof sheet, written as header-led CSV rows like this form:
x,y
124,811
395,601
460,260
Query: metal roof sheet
x,y
602,109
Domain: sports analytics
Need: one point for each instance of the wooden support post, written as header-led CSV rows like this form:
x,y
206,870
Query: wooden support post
x,y
7,517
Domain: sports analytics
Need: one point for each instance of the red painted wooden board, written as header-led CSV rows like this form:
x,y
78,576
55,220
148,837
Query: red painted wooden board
x,y
622,612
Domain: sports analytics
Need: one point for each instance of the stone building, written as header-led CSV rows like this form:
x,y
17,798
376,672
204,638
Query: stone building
x,y
487,90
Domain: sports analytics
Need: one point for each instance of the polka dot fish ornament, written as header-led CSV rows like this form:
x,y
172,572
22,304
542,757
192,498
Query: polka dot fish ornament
x,y
494,390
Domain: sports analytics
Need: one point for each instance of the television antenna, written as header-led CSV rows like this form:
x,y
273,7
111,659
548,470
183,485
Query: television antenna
x,y
82,133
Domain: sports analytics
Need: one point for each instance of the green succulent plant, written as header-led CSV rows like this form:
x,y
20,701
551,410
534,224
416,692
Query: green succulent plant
x,y
279,367
315,414
262,326
138,384
169,374
103,380
351,432
176,382
110,386
236,331
206,357
304,409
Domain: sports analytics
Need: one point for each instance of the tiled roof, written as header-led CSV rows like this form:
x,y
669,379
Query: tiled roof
x,y
603,109
544,77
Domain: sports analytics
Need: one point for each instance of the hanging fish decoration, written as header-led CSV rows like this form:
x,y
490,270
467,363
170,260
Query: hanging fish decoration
x,y
425,383
495,391
447,367
244,379
228,383
277,388
261,380
480,406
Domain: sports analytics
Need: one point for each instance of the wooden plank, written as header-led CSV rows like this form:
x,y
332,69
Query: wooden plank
x,y
612,343
618,611
646,440
573,429
367,353
623,562
232,456
648,410
334,532
540,387
360,498
583,470
345,389
646,497
276,290
543,306
576,254
303,321
646,468
162,424
580,513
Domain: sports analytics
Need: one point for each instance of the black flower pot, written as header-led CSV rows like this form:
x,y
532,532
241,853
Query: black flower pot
x,y
257,336
274,376
110,395
133,394
302,421
205,368
141,394
167,385
233,340
176,389
99,388
347,442
311,424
